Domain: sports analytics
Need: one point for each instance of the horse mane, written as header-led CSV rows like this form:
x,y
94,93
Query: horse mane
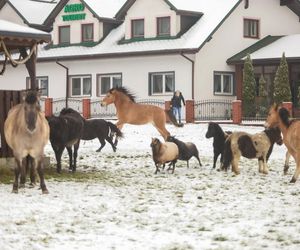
x,y
125,91
217,128
284,116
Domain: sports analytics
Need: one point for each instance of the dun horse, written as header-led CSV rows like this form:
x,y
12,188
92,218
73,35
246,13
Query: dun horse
x,y
279,116
26,131
128,111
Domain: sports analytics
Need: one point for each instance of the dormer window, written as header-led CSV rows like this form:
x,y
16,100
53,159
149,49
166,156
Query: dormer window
x,y
137,28
163,26
87,32
64,34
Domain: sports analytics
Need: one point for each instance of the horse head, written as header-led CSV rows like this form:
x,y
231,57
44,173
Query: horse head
x,y
109,98
31,109
155,143
273,118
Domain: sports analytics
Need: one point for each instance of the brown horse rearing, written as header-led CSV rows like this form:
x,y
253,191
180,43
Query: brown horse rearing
x,y
27,132
279,116
128,111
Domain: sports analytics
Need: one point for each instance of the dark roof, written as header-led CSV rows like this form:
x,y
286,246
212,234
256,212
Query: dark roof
x,y
238,58
293,5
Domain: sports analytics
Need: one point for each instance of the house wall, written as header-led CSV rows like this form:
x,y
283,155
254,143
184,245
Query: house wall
x,y
140,10
9,14
134,72
75,26
229,40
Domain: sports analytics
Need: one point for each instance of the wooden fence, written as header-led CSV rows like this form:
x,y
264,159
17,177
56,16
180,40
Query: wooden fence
x,y
8,98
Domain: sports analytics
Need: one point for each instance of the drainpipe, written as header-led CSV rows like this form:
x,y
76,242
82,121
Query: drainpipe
x,y
67,81
193,75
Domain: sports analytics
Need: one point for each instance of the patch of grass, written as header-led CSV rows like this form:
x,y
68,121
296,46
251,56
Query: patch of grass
x,y
220,238
6,175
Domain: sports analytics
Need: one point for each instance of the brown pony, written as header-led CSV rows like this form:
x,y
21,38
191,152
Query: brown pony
x,y
128,111
279,116
27,132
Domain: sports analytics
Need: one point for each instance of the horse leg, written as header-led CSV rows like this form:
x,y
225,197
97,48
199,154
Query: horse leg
x,y
163,131
157,165
215,160
235,165
58,153
76,146
265,166
198,158
102,142
297,170
32,172
286,163
111,143
119,126
17,173
173,163
23,173
40,168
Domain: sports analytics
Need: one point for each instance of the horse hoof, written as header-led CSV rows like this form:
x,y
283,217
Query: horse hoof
x,y
98,150
22,185
32,185
45,191
293,180
14,191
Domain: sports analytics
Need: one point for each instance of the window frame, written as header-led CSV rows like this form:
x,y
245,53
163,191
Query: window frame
x,y
163,93
132,29
251,21
59,34
82,33
81,85
38,79
222,74
111,75
157,26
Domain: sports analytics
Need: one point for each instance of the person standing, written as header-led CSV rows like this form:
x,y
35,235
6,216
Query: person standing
x,y
176,104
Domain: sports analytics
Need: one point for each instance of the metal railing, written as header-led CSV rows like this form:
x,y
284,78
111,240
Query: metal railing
x,y
213,110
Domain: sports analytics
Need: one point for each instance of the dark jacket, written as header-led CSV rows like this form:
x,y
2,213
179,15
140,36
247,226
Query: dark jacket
x,y
176,100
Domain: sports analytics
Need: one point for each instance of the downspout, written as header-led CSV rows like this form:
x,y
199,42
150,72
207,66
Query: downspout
x,y
67,81
193,75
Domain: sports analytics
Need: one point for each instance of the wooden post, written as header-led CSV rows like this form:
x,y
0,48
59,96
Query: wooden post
x,y
86,108
189,111
237,112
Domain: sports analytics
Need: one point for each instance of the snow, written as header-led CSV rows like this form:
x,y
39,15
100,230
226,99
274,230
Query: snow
x,y
132,208
288,44
105,8
6,26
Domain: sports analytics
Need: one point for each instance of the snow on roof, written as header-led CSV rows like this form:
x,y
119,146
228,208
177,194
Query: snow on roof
x,y
105,8
288,44
6,26
214,12
35,12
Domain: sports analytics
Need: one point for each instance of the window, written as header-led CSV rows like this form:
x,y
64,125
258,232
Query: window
x,y
87,32
64,35
161,83
251,28
223,83
137,28
81,85
41,83
108,81
163,26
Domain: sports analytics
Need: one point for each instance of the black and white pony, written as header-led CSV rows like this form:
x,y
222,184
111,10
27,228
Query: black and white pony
x,y
219,136
186,150
259,145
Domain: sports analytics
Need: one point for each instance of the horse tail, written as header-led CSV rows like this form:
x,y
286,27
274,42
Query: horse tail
x,y
172,118
114,130
227,154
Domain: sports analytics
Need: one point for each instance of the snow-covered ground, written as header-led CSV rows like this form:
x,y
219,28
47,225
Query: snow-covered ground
x,y
132,208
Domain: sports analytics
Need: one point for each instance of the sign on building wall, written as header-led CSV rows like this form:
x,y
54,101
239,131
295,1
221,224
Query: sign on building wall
x,y
72,14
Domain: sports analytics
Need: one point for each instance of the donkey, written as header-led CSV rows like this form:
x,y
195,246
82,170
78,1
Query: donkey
x,y
65,132
97,128
259,145
163,153
26,131
186,150
219,136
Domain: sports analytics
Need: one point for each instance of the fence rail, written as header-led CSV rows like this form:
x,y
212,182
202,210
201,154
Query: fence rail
x,y
213,110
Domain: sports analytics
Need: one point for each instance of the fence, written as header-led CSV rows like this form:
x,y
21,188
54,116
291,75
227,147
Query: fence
x,y
7,100
213,110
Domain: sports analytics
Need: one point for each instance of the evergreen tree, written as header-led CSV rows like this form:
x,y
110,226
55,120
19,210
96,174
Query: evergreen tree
x,y
262,105
262,86
282,91
248,88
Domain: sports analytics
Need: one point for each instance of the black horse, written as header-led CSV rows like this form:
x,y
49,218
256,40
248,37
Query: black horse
x,y
214,130
97,128
65,131
186,150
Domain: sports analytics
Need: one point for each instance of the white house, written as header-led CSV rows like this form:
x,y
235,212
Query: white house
x,y
153,47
